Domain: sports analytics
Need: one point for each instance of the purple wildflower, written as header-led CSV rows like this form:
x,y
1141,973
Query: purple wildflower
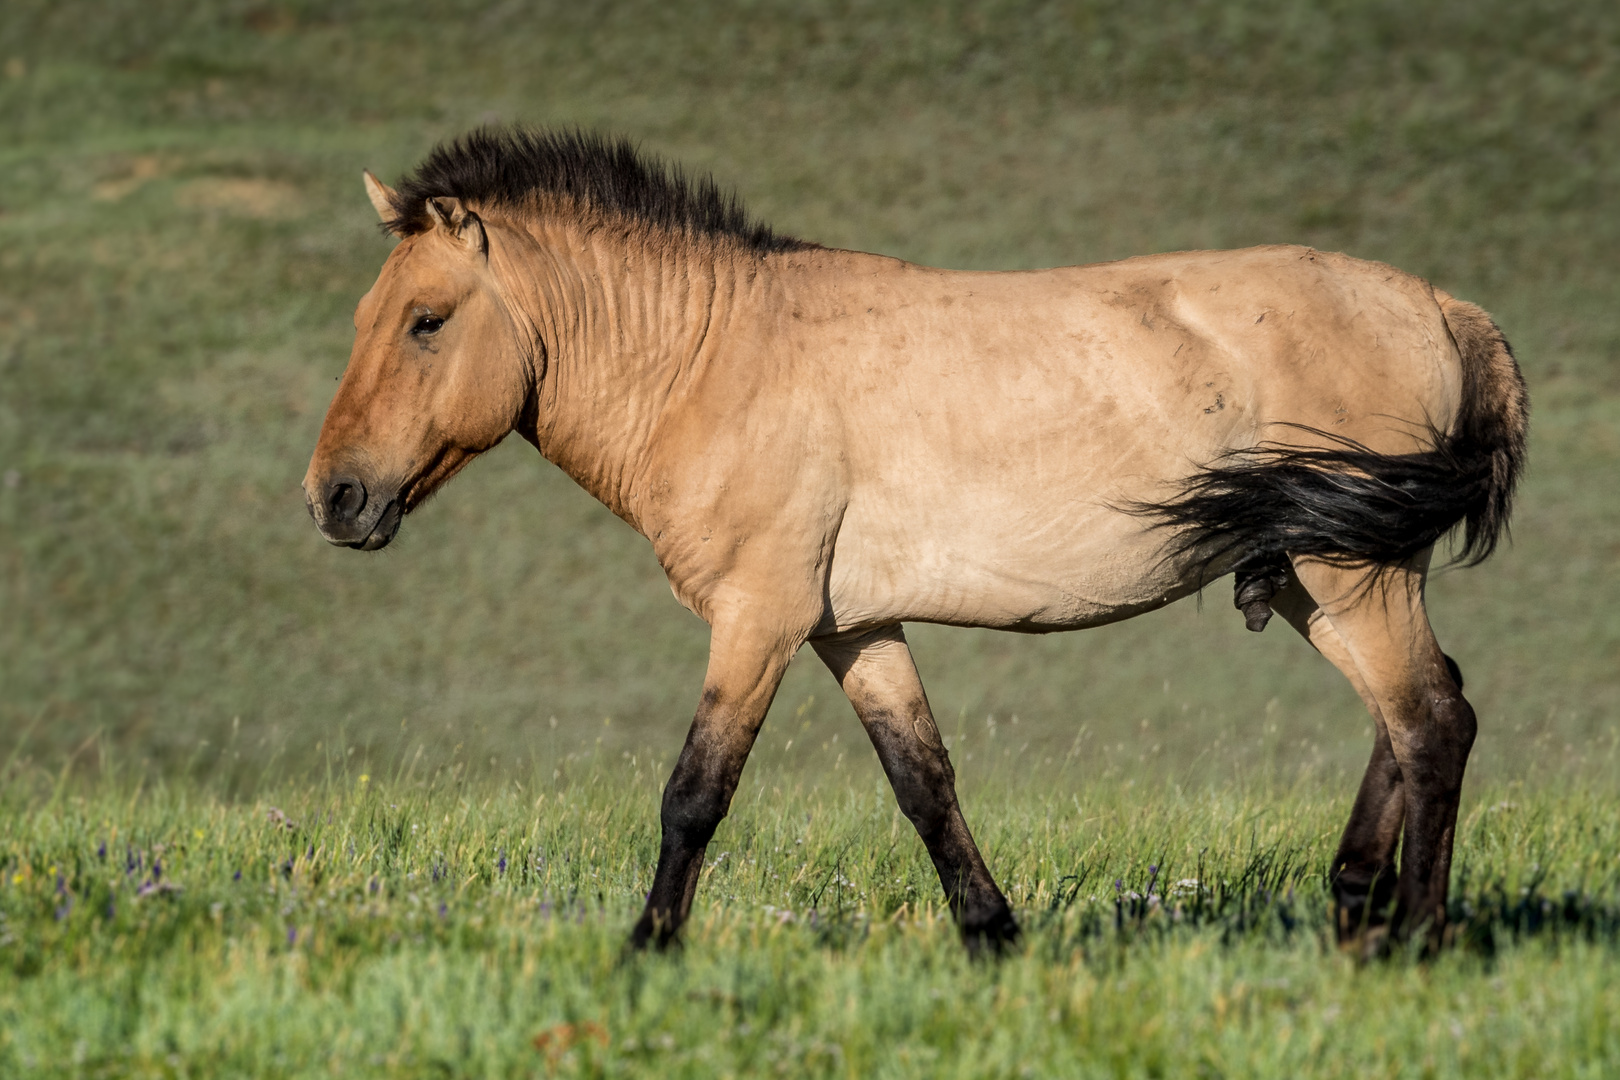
x,y
237,876
1119,883
443,909
157,869
101,852
292,936
61,885
500,866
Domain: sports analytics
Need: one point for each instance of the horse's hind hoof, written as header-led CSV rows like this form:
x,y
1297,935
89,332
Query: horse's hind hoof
x,y
1370,943
1366,915
997,937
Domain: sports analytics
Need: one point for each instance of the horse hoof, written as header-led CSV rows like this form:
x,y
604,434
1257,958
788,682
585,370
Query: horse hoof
x,y
995,937
653,933
1369,943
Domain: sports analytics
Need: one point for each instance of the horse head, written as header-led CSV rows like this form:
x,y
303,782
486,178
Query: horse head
x,y
436,377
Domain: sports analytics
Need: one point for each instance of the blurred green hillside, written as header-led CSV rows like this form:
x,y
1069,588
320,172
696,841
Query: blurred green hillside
x,y
183,236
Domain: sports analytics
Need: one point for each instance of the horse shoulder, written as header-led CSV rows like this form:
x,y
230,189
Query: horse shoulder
x,y
741,496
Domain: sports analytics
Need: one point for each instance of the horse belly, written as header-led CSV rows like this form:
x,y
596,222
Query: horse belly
x,y
1000,571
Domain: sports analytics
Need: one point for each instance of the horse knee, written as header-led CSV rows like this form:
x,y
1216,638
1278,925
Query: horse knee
x,y
692,811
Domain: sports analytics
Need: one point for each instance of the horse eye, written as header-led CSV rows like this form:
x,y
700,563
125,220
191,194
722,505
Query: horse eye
x,y
427,324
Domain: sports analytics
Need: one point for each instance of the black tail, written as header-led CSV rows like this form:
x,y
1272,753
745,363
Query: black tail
x,y
1344,503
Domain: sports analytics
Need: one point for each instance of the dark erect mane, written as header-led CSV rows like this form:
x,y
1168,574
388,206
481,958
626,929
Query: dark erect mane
x,y
512,166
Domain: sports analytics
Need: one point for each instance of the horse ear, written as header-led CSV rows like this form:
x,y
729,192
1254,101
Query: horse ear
x,y
473,235
459,222
381,196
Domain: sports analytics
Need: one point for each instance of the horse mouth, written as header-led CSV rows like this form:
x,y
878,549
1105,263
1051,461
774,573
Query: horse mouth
x,y
384,531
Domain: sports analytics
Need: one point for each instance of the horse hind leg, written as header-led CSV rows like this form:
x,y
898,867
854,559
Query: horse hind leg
x,y
1383,631
1363,877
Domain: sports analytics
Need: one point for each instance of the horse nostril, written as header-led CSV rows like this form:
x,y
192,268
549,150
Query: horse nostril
x,y
344,500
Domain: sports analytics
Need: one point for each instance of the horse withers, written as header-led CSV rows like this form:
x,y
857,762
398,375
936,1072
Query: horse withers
x,y
822,445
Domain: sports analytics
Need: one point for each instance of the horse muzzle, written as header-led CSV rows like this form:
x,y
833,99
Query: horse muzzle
x,y
349,514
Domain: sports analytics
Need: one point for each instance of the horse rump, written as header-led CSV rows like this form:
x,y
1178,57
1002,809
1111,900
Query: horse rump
x,y
1332,498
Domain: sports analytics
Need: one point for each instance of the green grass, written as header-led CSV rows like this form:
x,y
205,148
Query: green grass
x,y
367,927
183,237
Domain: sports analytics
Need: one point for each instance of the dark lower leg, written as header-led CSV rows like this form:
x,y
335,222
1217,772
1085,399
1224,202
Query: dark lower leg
x,y
1364,879
695,802
925,787
1433,787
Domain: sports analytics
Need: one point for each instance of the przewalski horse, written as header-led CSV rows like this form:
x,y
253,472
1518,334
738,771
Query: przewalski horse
x,y
822,445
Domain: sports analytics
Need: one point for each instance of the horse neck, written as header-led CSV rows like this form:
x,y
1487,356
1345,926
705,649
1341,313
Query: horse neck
x,y
619,325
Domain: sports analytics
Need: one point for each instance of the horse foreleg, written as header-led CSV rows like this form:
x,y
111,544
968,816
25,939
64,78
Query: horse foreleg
x,y
745,667
876,671
1363,876
1430,726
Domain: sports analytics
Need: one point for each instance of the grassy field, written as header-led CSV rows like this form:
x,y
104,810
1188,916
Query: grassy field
x,y
383,928
183,237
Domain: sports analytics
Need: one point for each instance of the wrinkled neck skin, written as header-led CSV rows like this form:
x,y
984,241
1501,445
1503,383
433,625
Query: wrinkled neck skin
x,y
617,330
